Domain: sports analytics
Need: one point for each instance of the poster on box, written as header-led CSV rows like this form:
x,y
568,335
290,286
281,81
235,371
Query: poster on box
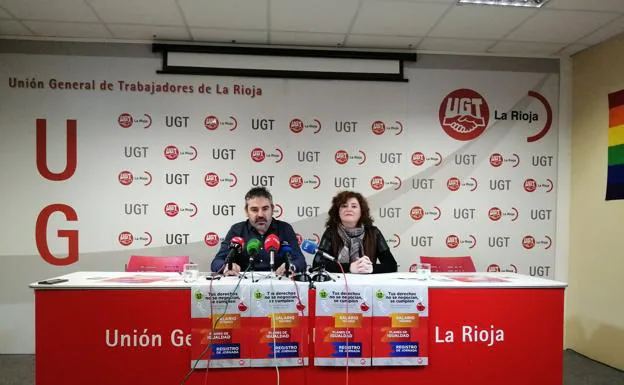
x,y
279,323
400,328
343,324
220,325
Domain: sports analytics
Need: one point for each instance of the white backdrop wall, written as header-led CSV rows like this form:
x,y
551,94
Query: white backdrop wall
x,y
453,163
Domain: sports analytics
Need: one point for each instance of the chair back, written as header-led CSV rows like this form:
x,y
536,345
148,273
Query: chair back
x,y
450,264
156,263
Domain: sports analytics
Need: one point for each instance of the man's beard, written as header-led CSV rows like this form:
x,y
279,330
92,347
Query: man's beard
x,y
264,226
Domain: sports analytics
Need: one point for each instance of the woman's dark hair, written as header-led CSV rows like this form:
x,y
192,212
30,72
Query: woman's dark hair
x,y
370,239
342,198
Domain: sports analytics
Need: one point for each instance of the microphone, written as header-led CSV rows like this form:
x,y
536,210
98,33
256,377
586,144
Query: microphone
x,y
286,252
272,244
253,248
236,246
312,248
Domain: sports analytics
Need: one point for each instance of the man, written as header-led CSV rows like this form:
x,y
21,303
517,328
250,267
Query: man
x,y
259,224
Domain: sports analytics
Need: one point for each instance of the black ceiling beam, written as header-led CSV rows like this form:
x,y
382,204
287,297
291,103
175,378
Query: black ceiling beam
x,y
293,52
399,57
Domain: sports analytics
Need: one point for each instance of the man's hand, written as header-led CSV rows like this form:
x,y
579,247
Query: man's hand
x,y
235,269
281,270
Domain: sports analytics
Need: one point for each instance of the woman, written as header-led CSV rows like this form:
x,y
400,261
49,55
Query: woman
x,y
351,237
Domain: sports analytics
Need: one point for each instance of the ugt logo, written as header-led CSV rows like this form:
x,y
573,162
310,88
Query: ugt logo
x,y
464,114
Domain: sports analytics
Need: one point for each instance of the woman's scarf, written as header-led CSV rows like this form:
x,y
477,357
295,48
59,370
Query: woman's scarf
x,y
353,241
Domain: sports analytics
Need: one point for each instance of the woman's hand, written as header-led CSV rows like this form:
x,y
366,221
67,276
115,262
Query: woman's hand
x,y
361,266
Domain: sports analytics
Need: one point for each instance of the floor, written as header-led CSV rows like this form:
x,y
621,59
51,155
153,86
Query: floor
x,y
577,370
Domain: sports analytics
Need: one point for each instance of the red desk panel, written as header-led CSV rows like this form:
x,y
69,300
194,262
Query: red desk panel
x,y
72,344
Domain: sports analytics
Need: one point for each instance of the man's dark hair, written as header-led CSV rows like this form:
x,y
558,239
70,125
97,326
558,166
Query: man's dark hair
x,y
258,192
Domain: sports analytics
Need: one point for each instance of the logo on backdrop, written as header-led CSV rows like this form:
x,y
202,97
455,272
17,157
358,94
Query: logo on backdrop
x,y
342,157
454,241
172,209
539,270
466,159
497,160
464,213
211,179
378,182
379,127
390,212
422,183
542,160
314,238
125,120
494,268
421,240
126,238
464,114
496,214
262,124
346,126
419,159
394,242
135,151
211,239
417,213
532,185
541,214
549,118
454,184
172,152
259,155
212,122
529,242
297,125
347,182
226,153
126,178
135,208
390,157
297,181
498,242
278,210
529,117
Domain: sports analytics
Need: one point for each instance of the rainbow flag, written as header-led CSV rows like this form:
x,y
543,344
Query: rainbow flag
x,y
615,174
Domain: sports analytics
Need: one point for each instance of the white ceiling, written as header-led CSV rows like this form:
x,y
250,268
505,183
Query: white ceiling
x,y
560,28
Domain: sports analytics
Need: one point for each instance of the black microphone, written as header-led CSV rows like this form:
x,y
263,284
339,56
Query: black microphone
x,y
286,252
236,246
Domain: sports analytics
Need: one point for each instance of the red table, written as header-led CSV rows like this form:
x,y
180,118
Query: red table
x,y
72,319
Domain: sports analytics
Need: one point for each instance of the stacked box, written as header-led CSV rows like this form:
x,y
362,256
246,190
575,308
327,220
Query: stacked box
x,y
343,324
279,323
220,325
400,324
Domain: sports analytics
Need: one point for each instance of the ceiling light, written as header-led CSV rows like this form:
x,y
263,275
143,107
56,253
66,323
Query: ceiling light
x,y
506,3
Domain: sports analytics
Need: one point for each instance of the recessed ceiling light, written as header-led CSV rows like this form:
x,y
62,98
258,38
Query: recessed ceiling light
x,y
506,3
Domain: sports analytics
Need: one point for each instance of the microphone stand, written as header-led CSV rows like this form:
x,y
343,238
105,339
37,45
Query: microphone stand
x,y
272,270
270,273
272,261
250,267
302,276
287,271
321,274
